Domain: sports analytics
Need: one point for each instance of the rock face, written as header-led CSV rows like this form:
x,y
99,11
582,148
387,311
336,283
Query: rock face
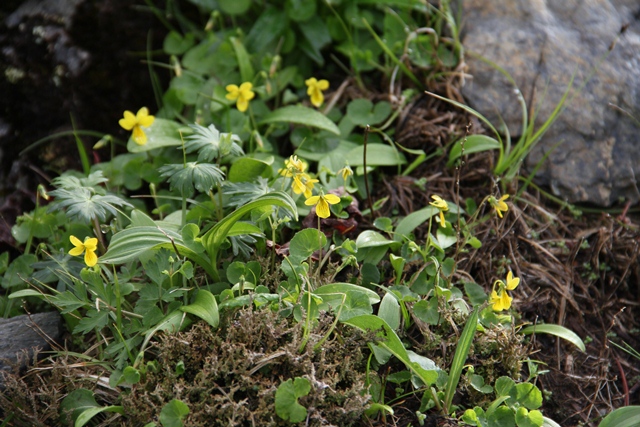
x,y
27,333
542,43
64,61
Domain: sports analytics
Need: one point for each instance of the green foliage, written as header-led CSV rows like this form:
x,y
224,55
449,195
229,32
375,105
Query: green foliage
x,y
287,395
219,227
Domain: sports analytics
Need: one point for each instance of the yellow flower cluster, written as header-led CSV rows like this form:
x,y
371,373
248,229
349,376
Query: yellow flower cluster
x,y
302,182
499,298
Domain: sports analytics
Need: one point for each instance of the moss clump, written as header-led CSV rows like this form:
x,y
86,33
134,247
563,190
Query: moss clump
x,y
231,374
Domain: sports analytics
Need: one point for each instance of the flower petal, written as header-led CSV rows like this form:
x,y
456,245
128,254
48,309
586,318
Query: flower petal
x,y
322,208
77,251
139,137
76,242
332,199
242,104
129,120
313,200
91,244
90,258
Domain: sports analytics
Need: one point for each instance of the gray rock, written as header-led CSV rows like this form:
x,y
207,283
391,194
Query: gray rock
x,y
542,44
27,333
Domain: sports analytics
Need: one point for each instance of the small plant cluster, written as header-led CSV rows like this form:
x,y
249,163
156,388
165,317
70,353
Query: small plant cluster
x,y
228,227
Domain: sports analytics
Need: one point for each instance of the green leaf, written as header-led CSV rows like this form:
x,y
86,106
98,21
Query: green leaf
x,y
460,356
244,62
362,112
355,304
389,310
214,238
472,144
305,243
89,413
525,418
414,220
162,133
446,237
333,293
202,176
19,269
558,331
173,413
205,307
629,416
477,382
475,293
502,417
175,44
427,311
504,385
287,395
377,155
392,343
4,262
370,238
301,10
130,243
301,115
131,375
247,169
190,238
76,402
93,320
528,395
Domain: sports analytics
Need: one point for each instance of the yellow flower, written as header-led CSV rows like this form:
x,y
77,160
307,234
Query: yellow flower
x,y
499,205
293,166
322,203
314,90
135,123
242,95
302,183
499,298
442,207
89,248
346,172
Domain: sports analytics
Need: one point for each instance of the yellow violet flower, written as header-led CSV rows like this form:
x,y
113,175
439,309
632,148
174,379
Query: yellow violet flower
x,y
346,172
499,205
322,203
89,247
314,90
242,95
293,166
136,122
442,207
302,183
499,298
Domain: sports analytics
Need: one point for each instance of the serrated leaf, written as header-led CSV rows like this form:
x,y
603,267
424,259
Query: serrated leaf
x,y
302,116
